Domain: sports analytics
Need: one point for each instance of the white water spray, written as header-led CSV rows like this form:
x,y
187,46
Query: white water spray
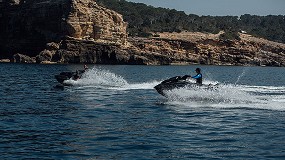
x,y
224,96
101,78
230,96
241,75
98,77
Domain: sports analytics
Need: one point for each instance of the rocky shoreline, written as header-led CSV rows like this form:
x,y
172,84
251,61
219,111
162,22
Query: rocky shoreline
x,y
249,51
80,31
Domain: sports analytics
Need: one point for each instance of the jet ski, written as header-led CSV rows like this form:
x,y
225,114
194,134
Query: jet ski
x,y
69,75
178,82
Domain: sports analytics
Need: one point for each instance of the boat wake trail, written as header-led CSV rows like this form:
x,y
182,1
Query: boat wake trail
x,y
100,78
231,96
135,86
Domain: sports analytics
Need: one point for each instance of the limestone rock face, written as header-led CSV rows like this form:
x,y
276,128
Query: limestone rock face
x,y
14,2
27,25
87,20
83,51
80,31
44,56
20,58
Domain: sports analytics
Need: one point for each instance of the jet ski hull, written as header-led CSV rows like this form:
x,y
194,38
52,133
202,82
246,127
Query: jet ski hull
x,y
162,87
64,76
68,75
179,82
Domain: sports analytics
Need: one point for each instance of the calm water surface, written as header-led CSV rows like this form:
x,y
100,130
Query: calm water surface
x,y
113,112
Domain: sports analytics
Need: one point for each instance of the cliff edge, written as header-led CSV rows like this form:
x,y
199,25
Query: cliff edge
x,y
81,31
28,25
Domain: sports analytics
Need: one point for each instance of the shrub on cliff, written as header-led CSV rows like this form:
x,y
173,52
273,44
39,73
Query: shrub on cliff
x,y
230,35
139,15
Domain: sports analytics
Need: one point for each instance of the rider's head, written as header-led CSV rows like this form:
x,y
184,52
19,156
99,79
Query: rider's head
x,y
198,70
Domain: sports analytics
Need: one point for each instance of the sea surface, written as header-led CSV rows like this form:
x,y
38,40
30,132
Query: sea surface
x,y
113,112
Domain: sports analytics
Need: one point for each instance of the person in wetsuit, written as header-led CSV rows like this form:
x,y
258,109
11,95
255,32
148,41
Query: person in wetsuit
x,y
198,76
85,67
76,76
79,73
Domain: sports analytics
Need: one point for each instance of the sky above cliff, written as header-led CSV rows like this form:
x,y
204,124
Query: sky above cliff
x,y
221,7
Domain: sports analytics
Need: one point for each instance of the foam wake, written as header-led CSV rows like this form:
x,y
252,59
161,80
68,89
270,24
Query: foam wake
x,y
231,96
101,78
98,77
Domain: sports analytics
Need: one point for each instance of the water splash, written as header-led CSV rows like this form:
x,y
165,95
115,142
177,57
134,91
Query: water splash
x,y
141,86
98,77
245,69
101,78
224,96
230,96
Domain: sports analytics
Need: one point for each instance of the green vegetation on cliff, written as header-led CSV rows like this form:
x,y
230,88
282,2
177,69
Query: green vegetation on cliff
x,y
143,19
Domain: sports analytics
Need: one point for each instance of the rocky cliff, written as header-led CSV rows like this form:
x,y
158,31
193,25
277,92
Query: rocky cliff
x,y
27,25
80,31
201,48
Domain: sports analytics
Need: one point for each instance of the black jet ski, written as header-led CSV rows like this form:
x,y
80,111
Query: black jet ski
x,y
178,82
69,75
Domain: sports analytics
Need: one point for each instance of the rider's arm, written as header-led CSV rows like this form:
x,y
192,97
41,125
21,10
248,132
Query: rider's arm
x,y
197,76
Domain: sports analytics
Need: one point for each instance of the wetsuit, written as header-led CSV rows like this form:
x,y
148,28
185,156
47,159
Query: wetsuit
x,y
198,78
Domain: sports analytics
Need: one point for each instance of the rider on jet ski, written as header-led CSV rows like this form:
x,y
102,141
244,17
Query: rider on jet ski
x,y
78,74
198,76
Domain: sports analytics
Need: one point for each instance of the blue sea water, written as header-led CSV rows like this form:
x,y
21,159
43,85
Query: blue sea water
x,y
113,112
